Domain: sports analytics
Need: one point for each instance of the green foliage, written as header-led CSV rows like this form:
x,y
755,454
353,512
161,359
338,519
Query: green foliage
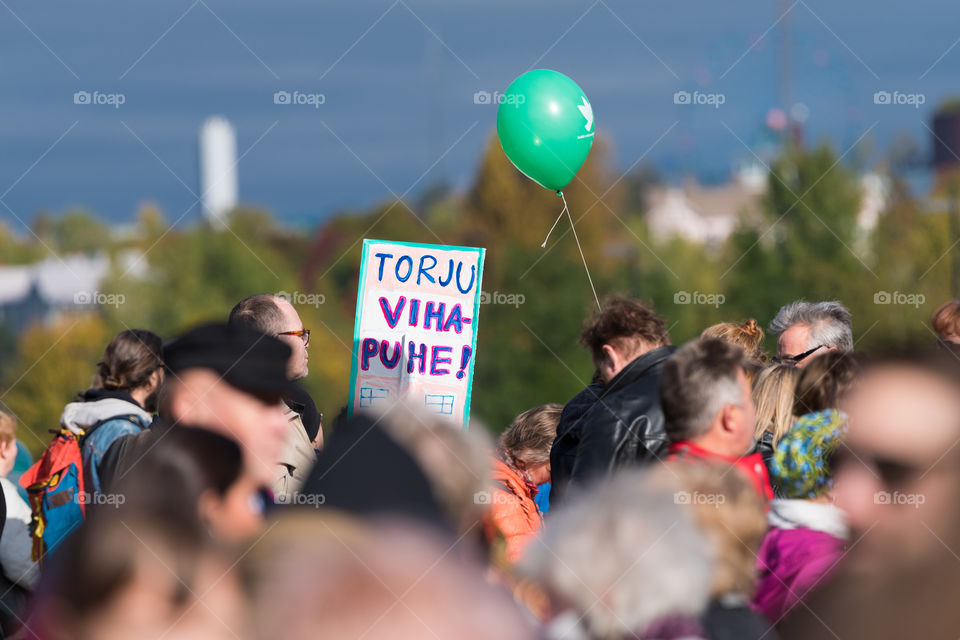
x,y
805,244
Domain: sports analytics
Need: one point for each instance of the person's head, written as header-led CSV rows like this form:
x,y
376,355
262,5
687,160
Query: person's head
x,y
275,316
747,335
706,398
323,575
898,474
203,482
136,576
773,394
133,363
807,330
529,439
946,321
231,380
621,332
8,443
621,557
802,463
823,383
730,512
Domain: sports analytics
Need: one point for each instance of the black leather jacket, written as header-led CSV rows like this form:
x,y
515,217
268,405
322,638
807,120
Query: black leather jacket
x,y
605,427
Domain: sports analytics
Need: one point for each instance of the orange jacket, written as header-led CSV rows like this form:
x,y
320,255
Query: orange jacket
x,y
513,512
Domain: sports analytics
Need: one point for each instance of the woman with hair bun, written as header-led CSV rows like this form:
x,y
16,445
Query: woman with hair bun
x,y
746,335
121,400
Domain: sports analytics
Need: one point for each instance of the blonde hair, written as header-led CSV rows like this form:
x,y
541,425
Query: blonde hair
x,y
773,396
731,513
747,335
8,428
529,438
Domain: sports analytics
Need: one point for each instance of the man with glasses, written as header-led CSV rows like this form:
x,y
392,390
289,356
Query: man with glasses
x,y
810,329
273,315
898,479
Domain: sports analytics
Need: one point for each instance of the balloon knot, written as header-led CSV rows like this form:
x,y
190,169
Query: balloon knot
x,y
559,193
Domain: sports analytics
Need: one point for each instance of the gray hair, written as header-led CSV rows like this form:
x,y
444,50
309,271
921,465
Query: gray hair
x,y
698,380
829,323
623,555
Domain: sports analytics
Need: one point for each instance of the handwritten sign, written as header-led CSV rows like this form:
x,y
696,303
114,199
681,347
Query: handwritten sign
x,y
415,333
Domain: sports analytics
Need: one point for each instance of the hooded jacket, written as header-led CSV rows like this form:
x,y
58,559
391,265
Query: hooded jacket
x,y
804,544
117,413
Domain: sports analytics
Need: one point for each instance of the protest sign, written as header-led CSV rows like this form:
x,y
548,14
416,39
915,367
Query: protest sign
x,y
415,333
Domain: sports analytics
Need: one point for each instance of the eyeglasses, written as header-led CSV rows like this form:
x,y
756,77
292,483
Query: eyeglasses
x,y
797,358
302,333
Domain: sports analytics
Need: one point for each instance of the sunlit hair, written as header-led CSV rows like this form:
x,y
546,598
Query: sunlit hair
x,y
529,439
829,323
946,320
260,312
623,324
630,541
746,335
773,393
129,360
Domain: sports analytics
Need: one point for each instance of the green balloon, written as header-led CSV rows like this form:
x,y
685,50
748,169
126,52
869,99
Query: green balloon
x,y
545,126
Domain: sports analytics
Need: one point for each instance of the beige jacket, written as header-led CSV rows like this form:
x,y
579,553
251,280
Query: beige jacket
x,y
296,460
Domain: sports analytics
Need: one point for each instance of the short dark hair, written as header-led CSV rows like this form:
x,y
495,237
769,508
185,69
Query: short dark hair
x,y
824,381
620,323
697,381
259,312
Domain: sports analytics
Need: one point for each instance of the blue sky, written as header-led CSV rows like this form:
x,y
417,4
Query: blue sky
x,y
398,78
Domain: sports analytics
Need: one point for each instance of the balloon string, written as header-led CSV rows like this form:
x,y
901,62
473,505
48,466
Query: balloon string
x,y
559,193
582,257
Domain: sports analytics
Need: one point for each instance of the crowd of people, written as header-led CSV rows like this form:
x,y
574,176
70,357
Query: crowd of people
x,y
706,491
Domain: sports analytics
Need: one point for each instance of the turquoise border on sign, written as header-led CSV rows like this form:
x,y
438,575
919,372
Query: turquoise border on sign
x,y
361,283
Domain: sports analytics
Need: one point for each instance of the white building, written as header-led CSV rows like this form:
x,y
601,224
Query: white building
x,y
709,214
218,169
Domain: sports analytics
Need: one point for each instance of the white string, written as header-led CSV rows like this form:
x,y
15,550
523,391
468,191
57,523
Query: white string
x,y
559,193
582,257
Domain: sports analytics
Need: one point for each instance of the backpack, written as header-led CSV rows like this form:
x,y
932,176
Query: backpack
x,y
55,488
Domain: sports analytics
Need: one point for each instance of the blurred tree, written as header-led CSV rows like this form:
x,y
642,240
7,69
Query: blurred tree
x,y
52,363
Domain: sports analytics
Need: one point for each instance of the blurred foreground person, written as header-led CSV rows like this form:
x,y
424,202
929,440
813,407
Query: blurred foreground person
x,y
945,322
521,464
619,423
807,330
898,479
807,530
139,576
202,481
227,379
731,514
404,461
708,406
273,315
624,560
328,576
18,572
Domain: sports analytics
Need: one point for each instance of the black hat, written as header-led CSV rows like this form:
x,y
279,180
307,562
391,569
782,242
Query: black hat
x,y
247,359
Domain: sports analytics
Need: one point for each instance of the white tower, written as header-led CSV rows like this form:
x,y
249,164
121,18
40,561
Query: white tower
x,y
218,169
